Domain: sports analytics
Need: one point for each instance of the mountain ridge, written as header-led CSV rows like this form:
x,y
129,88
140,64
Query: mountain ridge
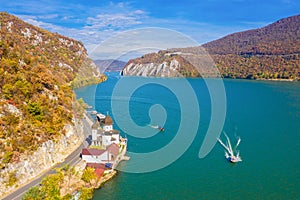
x,y
281,31
270,52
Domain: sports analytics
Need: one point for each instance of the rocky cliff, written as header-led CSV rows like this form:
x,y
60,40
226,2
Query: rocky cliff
x,y
47,155
165,69
171,63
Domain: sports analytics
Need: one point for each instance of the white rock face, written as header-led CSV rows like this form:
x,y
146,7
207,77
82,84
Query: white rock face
x,y
8,26
12,109
153,69
48,154
26,33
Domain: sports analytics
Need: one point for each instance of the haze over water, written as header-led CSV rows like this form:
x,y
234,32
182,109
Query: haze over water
x,y
265,114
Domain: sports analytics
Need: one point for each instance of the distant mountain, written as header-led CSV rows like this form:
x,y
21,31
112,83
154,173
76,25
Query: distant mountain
x,y
38,71
110,65
271,52
279,38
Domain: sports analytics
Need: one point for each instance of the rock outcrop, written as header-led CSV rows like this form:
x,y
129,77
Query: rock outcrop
x,y
168,63
47,155
164,69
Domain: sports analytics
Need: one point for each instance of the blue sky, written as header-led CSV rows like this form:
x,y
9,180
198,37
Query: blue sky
x,y
93,21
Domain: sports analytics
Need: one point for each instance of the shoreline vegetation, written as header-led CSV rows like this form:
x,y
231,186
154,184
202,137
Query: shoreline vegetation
x,y
69,182
228,78
79,82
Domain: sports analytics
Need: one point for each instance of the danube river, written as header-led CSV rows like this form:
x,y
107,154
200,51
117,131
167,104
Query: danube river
x,y
265,114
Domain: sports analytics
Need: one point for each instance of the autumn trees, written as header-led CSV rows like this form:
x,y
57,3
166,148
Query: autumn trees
x,y
55,186
37,70
271,52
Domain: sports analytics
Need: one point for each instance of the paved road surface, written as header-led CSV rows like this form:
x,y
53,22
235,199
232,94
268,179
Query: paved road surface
x,y
71,159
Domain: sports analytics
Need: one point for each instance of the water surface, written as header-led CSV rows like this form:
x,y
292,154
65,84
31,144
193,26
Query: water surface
x,y
266,115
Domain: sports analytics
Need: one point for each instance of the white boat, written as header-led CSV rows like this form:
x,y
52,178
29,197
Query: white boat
x,y
232,155
162,129
94,112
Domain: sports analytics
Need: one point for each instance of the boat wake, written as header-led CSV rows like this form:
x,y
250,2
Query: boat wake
x,y
157,127
231,154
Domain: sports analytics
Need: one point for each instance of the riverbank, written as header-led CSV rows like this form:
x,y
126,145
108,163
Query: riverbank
x,y
69,175
76,184
277,79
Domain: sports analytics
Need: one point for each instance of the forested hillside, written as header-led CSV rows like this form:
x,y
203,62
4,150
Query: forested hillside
x,y
271,52
38,71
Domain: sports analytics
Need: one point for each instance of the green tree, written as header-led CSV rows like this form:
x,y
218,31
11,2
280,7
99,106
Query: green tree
x,y
34,193
35,110
69,171
8,91
12,179
67,197
86,193
50,185
24,87
88,175
7,157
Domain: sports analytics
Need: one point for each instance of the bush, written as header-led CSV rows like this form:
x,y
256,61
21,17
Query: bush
x,y
7,157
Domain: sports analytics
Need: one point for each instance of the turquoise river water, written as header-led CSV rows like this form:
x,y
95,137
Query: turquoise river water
x,y
265,114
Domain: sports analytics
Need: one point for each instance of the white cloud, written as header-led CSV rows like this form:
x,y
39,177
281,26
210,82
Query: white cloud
x,y
101,28
50,16
118,21
119,17
105,22
137,42
139,12
34,21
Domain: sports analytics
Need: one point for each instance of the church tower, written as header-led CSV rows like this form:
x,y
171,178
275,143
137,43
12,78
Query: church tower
x,y
108,124
95,129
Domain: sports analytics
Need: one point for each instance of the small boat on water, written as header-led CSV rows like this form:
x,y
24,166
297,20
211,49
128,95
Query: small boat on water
x,y
158,127
231,154
94,112
232,158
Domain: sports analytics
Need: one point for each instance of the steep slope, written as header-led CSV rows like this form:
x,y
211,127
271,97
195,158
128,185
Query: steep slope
x,y
271,52
279,38
37,72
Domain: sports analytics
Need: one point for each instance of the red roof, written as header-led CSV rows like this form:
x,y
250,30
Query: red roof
x,y
94,152
99,171
99,168
96,165
108,120
113,149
